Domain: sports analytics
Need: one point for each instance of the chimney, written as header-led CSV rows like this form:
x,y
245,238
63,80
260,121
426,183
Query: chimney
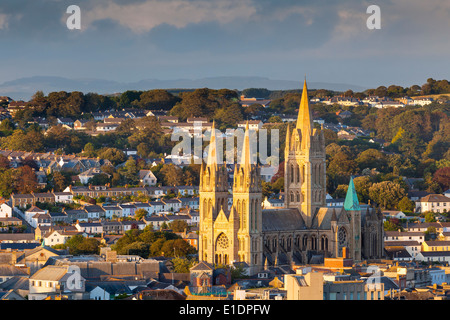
x,y
345,252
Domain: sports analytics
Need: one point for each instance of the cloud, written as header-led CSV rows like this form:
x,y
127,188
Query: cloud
x,y
142,17
4,19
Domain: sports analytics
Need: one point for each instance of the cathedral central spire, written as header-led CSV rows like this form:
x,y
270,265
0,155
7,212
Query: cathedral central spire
x,y
304,120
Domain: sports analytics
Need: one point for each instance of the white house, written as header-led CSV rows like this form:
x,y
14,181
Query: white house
x,y
437,276
143,205
127,209
94,212
267,172
156,221
106,127
111,211
6,210
55,280
272,203
404,236
128,225
63,197
173,205
389,104
147,178
89,227
187,190
58,237
423,101
433,202
393,214
179,217
252,124
90,173
156,207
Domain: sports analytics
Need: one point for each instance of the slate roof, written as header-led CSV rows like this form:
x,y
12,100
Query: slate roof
x,y
7,270
435,198
281,219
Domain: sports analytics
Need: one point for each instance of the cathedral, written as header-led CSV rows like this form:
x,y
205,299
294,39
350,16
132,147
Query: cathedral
x,y
304,231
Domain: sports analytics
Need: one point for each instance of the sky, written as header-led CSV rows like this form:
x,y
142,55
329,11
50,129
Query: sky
x,y
328,41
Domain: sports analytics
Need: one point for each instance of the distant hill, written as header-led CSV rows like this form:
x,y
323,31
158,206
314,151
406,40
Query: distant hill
x,y
24,88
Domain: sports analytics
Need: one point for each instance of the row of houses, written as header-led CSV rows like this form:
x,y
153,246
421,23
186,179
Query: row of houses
x,y
422,241
37,217
67,196
49,161
374,101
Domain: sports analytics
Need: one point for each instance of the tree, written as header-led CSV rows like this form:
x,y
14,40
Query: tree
x,y
179,225
171,175
262,93
157,99
372,158
128,97
143,150
139,214
6,127
27,181
177,248
430,233
430,217
182,265
274,119
130,171
392,224
114,155
89,150
100,179
4,162
78,245
60,181
362,185
7,182
229,116
137,248
406,205
442,177
341,167
341,191
387,194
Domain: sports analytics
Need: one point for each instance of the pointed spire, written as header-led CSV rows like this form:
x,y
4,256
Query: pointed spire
x,y
212,150
288,138
351,199
334,216
246,151
304,120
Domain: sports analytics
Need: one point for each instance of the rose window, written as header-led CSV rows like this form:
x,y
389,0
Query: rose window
x,y
222,241
342,236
